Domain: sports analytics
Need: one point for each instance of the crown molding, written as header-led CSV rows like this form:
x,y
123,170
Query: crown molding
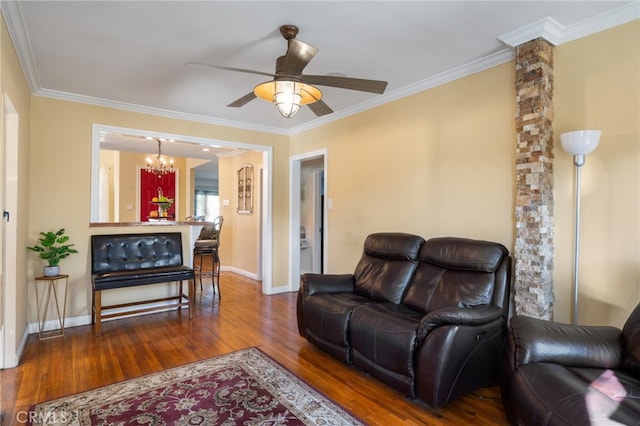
x,y
547,28
107,103
12,15
613,18
556,33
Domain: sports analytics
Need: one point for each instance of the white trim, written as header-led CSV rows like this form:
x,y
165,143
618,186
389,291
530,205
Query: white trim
x,y
610,19
294,220
107,103
250,275
556,33
15,25
547,28
295,162
281,289
11,141
267,222
69,322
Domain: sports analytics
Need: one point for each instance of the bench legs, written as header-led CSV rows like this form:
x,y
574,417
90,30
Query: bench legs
x,y
96,308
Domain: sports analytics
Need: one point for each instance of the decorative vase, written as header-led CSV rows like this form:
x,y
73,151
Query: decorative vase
x,y
51,271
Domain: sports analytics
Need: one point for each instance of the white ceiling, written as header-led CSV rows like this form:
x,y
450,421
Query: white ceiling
x,y
131,55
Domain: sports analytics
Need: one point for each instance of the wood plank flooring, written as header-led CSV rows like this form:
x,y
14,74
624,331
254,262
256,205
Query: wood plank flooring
x,y
132,347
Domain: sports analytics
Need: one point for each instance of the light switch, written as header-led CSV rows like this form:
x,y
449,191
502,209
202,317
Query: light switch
x,y
225,202
129,206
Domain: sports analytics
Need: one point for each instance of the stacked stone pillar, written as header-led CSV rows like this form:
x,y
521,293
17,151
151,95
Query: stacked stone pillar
x,y
534,180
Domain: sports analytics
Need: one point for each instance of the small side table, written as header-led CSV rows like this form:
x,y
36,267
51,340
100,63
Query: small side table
x,y
50,287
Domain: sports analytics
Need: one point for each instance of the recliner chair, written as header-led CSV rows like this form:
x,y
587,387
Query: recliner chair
x,y
562,374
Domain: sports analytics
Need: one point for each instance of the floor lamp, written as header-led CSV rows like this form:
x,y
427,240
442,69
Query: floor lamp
x,y
578,143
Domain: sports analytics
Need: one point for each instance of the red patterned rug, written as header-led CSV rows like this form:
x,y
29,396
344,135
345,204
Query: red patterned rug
x,y
241,388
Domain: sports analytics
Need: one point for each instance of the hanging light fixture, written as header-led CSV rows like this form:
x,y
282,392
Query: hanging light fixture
x,y
287,94
159,165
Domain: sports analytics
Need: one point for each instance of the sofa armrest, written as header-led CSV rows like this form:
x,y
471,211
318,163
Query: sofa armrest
x,y
537,340
326,283
476,315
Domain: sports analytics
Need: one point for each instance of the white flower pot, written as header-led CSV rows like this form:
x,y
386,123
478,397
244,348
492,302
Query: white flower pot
x,y
51,271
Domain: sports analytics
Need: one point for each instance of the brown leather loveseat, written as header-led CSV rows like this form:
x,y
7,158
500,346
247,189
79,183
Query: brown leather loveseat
x,y
426,317
561,374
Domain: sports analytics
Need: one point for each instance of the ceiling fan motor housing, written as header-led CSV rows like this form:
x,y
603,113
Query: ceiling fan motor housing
x,y
289,31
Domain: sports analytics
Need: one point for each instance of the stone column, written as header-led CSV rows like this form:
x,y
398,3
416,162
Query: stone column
x,y
534,180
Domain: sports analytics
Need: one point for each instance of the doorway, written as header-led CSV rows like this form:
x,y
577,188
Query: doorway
x,y
193,145
308,224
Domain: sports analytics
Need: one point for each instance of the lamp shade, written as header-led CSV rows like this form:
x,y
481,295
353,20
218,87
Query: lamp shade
x,y
580,142
287,95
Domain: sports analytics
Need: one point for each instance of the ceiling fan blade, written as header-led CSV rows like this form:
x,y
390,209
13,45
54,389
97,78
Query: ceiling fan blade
x,y
298,56
319,108
243,100
219,67
360,84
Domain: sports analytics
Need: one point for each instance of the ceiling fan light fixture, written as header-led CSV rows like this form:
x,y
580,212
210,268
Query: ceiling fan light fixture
x,y
287,95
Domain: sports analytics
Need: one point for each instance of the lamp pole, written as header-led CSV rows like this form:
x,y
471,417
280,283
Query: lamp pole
x,y
578,161
579,143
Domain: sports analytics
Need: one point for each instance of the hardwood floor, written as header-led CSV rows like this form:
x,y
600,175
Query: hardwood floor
x,y
245,317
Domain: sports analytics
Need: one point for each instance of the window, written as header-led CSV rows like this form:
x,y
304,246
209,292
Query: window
x,y
207,205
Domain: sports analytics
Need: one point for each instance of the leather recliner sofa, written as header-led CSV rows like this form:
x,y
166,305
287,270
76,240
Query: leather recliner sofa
x,y
561,374
426,317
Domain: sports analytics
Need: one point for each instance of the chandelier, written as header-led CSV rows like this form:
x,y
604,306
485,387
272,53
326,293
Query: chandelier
x,y
158,164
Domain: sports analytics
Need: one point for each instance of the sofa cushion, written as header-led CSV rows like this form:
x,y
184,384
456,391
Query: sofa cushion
x,y
385,333
554,394
434,287
326,316
454,272
631,336
387,265
463,253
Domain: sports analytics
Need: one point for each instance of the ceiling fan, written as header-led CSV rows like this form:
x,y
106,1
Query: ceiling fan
x,y
289,88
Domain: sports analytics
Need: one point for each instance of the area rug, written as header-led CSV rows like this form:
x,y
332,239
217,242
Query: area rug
x,y
241,388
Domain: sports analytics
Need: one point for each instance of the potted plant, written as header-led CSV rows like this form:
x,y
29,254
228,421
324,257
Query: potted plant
x,y
53,249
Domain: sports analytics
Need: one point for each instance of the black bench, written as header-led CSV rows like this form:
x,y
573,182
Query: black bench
x,y
128,260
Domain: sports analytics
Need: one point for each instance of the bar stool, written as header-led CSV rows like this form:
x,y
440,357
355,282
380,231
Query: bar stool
x,y
208,244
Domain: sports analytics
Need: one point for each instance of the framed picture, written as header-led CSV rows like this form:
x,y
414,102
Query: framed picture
x,y
245,189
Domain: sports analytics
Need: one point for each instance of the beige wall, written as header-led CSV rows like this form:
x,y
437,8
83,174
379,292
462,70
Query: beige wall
x,y
441,162
597,86
239,247
437,163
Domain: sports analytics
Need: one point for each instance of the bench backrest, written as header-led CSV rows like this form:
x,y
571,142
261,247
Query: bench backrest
x,y
120,252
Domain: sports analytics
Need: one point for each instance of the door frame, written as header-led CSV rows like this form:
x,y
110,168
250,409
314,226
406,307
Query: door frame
x,y
295,166
10,349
